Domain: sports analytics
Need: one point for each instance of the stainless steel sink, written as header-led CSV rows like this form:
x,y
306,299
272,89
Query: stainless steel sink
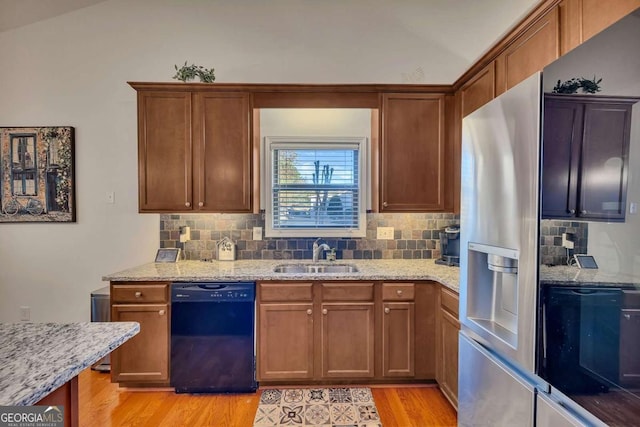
x,y
315,268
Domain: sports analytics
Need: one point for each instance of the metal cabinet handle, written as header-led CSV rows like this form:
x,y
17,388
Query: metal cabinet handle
x,y
399,292
201,204
161,312
324,311
386,310
572,211
309,312
138,294
627,316
385,204
583,212
187,204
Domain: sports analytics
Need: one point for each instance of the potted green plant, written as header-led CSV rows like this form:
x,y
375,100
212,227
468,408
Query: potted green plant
x,y
572,85
189,72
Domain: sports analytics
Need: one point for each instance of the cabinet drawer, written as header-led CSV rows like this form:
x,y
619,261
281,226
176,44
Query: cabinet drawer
x,y
398,291
286,292
140,293
347,292
450,301
631,299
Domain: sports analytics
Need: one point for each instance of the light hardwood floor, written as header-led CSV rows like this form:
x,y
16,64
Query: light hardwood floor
x,y
103,404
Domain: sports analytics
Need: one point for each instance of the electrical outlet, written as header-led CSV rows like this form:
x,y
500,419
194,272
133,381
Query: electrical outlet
x,y
633,208
385,233
257,233
25,313
567,240
185,234
111,197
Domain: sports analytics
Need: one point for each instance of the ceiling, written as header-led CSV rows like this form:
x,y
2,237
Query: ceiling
x,y
451,34
17,13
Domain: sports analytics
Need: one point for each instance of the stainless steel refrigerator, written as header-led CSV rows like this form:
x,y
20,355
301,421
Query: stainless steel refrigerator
x,y
498,259
553,345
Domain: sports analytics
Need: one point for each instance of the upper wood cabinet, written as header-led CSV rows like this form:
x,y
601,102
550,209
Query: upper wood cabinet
x,y
529,52
412,153
479,90
582,19
222,149
164,151
586,156
194,151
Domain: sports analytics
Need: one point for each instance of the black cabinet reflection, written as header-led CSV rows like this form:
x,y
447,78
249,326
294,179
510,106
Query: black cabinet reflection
x,y
586,156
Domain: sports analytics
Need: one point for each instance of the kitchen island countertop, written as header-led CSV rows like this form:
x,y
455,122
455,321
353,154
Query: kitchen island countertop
x,y
37,358
200,271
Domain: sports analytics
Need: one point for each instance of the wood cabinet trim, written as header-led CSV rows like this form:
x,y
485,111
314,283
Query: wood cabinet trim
x,y
536,14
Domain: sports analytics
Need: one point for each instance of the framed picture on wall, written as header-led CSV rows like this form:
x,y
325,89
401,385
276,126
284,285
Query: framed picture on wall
x,y
37,176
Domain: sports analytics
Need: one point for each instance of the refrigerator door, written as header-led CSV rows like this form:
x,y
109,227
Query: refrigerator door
x,y
499,222
491,393
551,413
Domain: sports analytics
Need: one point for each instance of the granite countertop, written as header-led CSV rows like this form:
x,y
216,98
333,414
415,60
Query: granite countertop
x,y
200,271
572,275
37,358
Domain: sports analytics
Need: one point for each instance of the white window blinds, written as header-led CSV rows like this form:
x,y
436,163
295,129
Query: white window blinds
x,y
316,187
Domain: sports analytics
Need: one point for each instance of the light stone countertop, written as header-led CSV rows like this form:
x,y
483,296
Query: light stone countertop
x,y
572,275
201,271
37,358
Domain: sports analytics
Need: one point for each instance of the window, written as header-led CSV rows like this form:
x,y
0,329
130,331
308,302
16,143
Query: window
x,y
315,187
23,165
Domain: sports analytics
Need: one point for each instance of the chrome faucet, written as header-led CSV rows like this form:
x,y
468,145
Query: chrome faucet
x,y
318,248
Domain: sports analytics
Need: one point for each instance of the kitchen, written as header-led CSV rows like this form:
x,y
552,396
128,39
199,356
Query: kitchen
x,y
131,238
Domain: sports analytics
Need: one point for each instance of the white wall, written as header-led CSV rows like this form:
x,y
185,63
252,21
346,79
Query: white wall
x,y
612,56
72,70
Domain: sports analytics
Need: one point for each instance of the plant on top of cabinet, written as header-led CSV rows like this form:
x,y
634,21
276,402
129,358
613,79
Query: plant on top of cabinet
x,y
572,85
189,72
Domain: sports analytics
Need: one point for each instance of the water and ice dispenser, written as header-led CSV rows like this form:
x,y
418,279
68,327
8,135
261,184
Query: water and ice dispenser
x,y
492,301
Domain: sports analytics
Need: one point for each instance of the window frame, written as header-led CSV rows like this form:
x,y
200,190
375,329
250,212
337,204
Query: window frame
x,y
364,180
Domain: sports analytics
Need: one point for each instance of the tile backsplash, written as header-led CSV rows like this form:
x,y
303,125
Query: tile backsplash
x,y
551,250
416,235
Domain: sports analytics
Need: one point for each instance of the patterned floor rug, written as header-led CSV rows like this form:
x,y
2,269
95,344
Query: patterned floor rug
x,y
326,407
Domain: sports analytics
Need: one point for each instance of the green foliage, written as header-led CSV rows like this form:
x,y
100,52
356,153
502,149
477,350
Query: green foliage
x,y
190,72
572,85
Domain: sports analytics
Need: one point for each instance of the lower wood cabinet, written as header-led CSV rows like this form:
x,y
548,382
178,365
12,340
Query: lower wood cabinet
x,y
286,340
144,359
448,327
398,330
347,340
351,331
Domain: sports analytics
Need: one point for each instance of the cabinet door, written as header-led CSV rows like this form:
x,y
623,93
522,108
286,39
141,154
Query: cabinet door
x,y
479,90
629,347
605,148
448,331
222,152
398,338
530,52
412,169
145,357
598,15
285,341
347,340
561,157
164,151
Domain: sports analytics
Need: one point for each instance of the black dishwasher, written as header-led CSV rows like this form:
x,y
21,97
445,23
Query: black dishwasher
x,y
213,337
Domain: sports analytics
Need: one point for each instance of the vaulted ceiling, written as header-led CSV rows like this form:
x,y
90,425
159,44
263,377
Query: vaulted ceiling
x,y
447,36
